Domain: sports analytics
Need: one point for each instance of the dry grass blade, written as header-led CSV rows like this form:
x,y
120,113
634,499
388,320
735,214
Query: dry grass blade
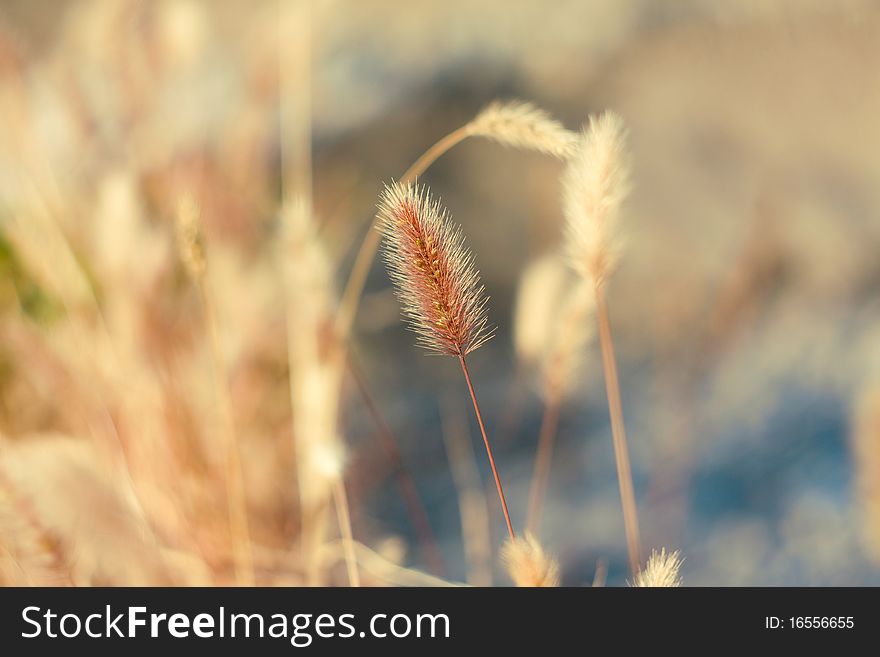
x,y
395,574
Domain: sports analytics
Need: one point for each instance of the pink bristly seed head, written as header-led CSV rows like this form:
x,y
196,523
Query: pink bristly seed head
x,y
433,273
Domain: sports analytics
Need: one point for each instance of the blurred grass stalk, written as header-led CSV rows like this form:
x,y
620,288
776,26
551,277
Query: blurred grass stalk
x,y
193,255
315,372
472,508
618,434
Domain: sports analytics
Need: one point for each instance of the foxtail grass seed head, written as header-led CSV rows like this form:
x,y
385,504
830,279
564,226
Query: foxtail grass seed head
x,y
437,283
522,125
661,570
190,243
528,564
541,289
594,186
574,327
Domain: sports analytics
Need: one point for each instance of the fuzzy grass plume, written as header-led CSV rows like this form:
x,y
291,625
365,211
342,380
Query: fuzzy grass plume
x,y
528,564
661,570
538,299
594,186
433,271
523,125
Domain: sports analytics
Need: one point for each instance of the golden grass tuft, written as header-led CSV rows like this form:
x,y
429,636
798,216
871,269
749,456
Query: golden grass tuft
x,y
527,563
662,570
523,125
595,184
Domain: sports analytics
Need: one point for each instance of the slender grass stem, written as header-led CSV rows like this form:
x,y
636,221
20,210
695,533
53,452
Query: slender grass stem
x,y
343,517
235,494
543,456
512,415
433,154
467,378
618,434
473,504
601,574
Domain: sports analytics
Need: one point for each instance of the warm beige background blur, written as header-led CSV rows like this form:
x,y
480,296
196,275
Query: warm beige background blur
x,y
745,306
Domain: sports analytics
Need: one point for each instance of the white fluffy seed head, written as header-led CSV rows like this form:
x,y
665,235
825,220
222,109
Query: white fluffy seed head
x,y
538,297
522,125
528,564
661,570
573,328
553,322
595,184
